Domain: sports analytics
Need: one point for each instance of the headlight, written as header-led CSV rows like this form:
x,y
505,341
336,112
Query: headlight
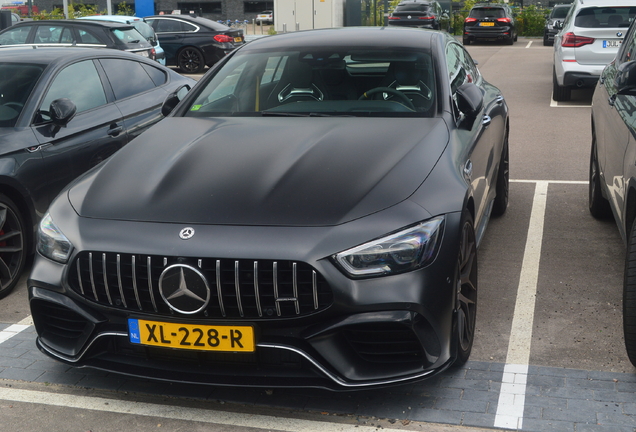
x,y
403,251
51,242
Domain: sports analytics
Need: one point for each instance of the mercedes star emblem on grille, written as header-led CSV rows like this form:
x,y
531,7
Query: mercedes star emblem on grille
x,y
186,233
184,289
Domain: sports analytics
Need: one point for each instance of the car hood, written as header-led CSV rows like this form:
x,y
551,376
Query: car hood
x,y
305,171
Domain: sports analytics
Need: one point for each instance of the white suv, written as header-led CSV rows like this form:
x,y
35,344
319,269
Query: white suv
x,y
591,35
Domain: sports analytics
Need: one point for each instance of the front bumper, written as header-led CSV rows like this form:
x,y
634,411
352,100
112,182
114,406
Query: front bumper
x,y
374,332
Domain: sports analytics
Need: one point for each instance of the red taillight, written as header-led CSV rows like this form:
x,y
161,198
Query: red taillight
x,y
392,17
504,20
469,19
428,17
223,38
153,54
572,40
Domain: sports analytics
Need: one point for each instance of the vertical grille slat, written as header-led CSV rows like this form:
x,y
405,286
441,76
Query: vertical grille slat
x,y
152,296
106,287
134,281
219,290
244,289
256,292
90,269
119,283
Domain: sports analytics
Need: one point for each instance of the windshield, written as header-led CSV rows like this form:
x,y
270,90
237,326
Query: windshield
x,y
351,82
415,7
16,82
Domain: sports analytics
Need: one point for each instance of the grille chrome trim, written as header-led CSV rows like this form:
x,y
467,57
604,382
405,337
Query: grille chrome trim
x,y
237,288
245,289
150,290
90,268
121,286
107,288
219,292
256,292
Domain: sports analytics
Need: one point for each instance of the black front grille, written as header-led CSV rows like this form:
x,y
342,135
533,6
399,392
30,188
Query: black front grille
x,y
240,289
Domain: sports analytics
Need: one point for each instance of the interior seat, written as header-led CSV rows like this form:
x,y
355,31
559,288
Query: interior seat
x,y
413,80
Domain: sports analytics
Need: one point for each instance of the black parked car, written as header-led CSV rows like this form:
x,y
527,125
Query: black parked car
x,y
422,14
490,21
84,33
309,215
63,111
612,185
191,42
553,22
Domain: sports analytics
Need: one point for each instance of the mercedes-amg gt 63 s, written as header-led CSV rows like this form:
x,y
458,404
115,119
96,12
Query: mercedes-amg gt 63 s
x,y
307,215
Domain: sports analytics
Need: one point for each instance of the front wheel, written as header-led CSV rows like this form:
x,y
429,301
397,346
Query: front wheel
x,y
12,245
466,286
629,297
190,60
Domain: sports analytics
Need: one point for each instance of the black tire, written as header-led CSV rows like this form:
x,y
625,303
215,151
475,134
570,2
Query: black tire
x,y
510,40
599,206
516,37
503,181
466,284
190,60
559,93
546,42
629,296
466,41
12,245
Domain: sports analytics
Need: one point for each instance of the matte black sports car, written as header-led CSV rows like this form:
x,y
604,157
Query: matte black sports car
x,y
308,215
191,42
63,110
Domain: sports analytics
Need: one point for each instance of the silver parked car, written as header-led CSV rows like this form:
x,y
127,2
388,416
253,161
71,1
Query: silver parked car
x,y
589,39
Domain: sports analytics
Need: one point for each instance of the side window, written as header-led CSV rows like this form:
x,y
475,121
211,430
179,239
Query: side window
x,y
157,75
48,34
627,51
87,37
15,36
168,25
127,77
78,82
189,27
67,35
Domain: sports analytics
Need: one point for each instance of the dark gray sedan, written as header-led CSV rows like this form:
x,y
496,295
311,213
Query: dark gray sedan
x,y
308,215
63,111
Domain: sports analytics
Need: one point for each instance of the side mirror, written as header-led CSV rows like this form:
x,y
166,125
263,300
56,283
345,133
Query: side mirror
x,y
470,100
173,99
62,111
558,25
625,80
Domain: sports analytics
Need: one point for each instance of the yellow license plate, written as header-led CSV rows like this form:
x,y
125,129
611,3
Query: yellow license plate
x,y
238,39
191,336
487,24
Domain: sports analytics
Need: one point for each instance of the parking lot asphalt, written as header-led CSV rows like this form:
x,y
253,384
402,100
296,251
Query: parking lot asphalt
x,y
548,354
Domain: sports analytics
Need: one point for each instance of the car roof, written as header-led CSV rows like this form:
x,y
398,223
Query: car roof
x,y
117,18
51,54
347,37
107,24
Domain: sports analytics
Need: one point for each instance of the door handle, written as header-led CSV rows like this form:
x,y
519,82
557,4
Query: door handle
x,y
115,130
485,120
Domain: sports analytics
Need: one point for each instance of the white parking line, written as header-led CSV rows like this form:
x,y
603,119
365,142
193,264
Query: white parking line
x,y
179,412
513,387
14,329
529,44
555,104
